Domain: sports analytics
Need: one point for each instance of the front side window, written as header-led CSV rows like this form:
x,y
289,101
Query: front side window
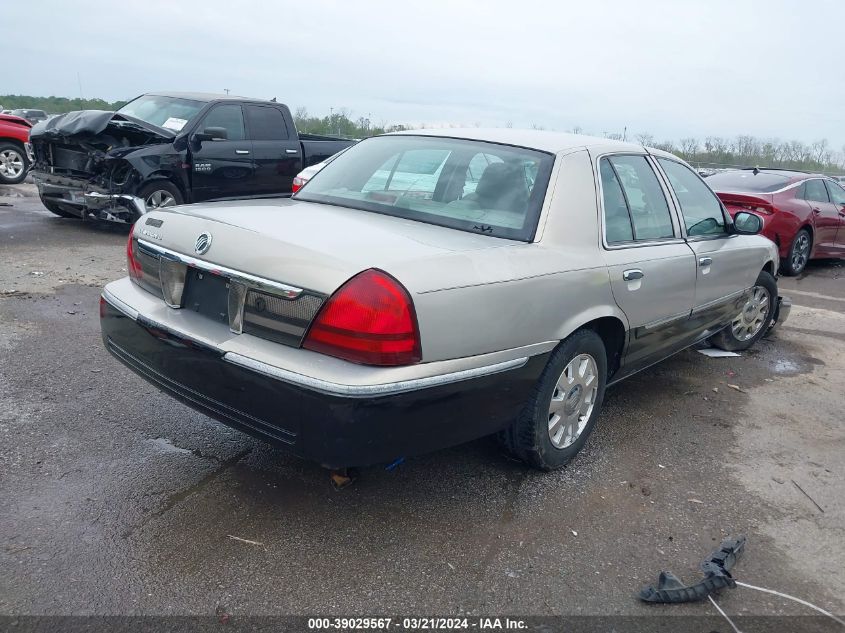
x,y
473,186
815,192
837,193
700,207
266,123
634,205
230,117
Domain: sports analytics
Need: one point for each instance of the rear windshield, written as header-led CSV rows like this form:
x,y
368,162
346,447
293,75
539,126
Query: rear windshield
x,y
746,180
468,185
167,112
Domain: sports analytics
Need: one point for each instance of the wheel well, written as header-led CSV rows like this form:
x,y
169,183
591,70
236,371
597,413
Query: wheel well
x,y
770,268
168,177
612,332
16,143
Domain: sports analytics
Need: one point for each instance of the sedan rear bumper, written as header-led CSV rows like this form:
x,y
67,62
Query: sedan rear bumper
x,y
318,421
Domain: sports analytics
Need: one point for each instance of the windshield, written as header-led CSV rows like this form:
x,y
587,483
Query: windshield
x,y
167,112
746,180
468,185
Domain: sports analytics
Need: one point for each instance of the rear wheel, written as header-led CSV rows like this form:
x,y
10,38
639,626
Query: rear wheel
x,y
564,405
799,253
13,164
160,193
754,319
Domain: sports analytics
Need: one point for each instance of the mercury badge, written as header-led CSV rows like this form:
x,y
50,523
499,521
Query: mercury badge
x,y
203,243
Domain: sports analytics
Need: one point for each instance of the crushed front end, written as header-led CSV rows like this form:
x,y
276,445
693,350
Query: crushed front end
x,y
91,164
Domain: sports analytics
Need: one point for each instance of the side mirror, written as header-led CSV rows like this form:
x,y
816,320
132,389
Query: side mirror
x,y
212,134
747,223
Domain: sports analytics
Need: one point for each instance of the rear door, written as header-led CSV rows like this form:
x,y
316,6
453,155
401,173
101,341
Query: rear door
x,y
276,149
825,215
837,197
651,268
726,264
223,167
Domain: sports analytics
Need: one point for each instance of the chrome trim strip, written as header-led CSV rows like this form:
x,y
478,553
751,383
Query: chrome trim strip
x,y
366,391
132,313
726,299
286,291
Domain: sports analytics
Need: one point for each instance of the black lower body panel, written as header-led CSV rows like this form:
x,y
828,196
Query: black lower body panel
x,y
332,430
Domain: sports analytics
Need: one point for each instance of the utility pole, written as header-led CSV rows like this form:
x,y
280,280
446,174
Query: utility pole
x,y
226,90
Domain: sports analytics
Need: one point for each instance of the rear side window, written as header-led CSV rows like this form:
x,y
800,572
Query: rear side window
x,y
837,193
634,205
700,207
266,123
228,116
815,191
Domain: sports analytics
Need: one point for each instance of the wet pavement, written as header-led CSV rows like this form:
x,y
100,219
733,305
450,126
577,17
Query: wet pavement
x,y
118,500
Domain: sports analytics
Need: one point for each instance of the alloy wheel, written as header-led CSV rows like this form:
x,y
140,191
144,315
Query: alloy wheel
x,y
160,198
573,400
753,314
11,163
800,252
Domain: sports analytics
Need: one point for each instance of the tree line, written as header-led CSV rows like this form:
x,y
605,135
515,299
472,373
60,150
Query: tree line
x,y
715,151
57,105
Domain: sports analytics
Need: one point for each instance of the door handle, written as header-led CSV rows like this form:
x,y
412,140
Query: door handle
x,y
241,151
291,151
705,261
816,210
631,275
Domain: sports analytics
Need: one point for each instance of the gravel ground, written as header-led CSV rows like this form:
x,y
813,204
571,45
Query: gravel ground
x,y
118,500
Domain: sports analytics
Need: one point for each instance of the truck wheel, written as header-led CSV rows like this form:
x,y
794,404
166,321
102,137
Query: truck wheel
x,y
55,208
753,320
160,193
564,405
13,164
799,254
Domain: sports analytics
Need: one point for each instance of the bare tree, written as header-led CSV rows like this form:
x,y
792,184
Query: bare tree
x,y
689,146
645,139
576,129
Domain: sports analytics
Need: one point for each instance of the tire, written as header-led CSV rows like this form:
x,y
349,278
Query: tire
x,y
799,253
55,208
530,437
754,319
13,164
160,193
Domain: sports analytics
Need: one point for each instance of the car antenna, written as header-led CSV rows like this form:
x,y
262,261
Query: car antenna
x,y
273,100
755,171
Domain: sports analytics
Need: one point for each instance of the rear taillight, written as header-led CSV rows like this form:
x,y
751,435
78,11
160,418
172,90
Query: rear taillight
x,y
297,183
136,272
369,320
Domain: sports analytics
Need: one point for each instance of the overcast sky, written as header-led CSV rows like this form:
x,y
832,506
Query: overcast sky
x,y
677,68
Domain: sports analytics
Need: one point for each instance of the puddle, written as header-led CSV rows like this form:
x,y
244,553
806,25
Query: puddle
x,y
166,446
784,366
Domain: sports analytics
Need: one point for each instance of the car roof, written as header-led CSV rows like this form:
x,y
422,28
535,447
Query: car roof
x,y
202,96
542,140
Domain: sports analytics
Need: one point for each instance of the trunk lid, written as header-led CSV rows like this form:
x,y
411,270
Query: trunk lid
x,y
319,247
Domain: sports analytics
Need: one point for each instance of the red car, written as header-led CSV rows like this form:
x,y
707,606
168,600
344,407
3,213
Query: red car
x,y
15,150
804,214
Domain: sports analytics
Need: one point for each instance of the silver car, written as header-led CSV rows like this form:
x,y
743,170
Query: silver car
x,y
431,287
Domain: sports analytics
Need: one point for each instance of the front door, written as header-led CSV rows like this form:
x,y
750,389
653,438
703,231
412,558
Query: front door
x,y
651,268
726,266
276,149
223,167
837,197
825,217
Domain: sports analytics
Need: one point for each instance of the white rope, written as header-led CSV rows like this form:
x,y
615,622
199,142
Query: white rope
x,y
725,615
787,596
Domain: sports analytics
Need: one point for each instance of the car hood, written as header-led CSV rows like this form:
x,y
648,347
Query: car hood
x,y
83,124
319,246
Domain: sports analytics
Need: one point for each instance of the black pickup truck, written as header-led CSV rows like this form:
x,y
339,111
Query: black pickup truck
x,y
163,149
